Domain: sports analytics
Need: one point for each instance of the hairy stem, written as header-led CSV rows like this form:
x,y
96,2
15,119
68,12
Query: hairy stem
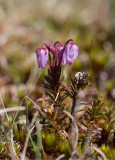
x,y
73,134
87,150
73,113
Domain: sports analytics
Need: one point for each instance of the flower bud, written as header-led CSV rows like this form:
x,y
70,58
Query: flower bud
x,y
52,49
79,75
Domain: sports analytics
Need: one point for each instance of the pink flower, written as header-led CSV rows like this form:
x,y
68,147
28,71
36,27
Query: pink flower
x,y
63,58
62,54
70,53
42,54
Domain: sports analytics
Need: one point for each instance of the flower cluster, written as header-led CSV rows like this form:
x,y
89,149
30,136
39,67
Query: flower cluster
x,y
62,54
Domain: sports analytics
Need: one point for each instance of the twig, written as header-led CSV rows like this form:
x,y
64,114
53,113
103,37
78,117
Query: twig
x,y
74,136
20,106
55,101
34,83
17,111
27,123
14,109
75,128
41,99
25,98
73,113
39,142
73,121
27,138
99,151
4,109
60,157
32,74
34,103
11,148
87,150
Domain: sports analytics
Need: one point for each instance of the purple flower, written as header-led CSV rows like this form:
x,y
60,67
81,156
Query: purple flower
x,y
52,49
70,53
62,54
42,54
63,60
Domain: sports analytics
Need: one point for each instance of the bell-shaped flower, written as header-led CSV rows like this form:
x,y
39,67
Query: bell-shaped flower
x,y
72,51
42,56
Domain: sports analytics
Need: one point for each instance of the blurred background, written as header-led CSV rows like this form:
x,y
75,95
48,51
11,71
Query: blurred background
x,y
25,25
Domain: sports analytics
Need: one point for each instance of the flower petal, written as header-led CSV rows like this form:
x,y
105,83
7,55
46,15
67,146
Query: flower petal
x,y
42,57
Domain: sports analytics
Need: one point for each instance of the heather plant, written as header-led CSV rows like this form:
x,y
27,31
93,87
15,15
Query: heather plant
x,y
70,122
59,123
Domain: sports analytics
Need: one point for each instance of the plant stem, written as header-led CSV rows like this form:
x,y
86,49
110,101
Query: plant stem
x,y
72,124
73,106
73,113
87,150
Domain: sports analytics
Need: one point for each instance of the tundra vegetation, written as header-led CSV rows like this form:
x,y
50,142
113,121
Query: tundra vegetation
x,y
57,80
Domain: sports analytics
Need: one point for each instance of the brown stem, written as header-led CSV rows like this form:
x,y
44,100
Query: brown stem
x,y
73,134
73,106
87,150
73,113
